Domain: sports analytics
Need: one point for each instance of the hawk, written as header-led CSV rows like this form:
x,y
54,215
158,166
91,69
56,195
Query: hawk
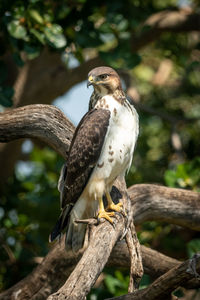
x,y
101,150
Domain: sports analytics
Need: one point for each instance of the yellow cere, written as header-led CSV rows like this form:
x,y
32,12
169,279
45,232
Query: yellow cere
x,y
90,78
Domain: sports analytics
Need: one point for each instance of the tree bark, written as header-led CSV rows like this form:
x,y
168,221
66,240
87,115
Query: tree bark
x,y
33,82
171,205
165,284
148,202
44,122
32,85
102,237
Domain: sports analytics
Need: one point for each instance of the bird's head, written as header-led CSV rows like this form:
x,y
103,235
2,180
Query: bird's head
x,y
105,80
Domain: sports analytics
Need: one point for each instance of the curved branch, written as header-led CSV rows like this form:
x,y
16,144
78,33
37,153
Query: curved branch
x,y
45,122
102,237
41,80
164,285
41,282
165,21
148,201
175,206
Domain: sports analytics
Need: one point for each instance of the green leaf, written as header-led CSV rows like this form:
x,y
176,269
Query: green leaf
x,y
112,283
34,14
39,35
54,36
193,247
170,178
16,30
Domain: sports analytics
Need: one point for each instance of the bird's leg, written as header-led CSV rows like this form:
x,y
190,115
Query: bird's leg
x,y
104,214
112,206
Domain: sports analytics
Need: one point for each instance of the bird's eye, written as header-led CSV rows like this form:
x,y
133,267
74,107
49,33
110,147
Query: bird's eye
x,y
103,76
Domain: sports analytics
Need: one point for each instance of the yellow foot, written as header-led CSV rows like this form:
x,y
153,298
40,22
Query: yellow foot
x,y
116,207
106,215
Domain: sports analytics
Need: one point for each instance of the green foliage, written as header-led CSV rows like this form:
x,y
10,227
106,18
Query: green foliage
x,y
118,284
193,247
185,175
27,214
30,199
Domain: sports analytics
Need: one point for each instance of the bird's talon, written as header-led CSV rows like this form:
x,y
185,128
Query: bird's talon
x,y
116,207
106,215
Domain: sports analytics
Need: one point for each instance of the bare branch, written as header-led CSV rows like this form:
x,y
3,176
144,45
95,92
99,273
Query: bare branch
x,y
103,238
148,201
40,80
164,285
45,122
58,264
175,206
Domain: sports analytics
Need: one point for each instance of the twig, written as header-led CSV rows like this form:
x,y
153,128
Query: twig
x,y
136,268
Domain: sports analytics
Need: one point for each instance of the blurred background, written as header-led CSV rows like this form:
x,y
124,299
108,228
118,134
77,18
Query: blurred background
x,y
47,48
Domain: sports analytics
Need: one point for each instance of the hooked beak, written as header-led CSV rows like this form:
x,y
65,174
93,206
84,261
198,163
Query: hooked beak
x,y
90,81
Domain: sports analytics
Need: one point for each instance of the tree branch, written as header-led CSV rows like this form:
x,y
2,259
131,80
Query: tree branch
x,y
165,21
165,284
47,277
148,201
175,206
45,122
102,237
33,84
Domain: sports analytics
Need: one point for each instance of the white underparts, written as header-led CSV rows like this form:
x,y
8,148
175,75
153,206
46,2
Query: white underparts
x,y
117,150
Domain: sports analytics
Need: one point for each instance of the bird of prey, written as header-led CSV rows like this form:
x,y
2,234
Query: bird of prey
x,y
101,150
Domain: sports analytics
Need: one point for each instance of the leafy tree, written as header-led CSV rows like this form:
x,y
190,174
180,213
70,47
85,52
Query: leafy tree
x,y
155,46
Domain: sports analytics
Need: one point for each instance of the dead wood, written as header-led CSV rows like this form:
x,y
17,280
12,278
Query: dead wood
x,y
171,205
45,122
51,274
148,202
40,80
101,242
165,284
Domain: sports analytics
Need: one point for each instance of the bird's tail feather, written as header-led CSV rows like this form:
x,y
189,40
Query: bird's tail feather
x,y
75,234
61,224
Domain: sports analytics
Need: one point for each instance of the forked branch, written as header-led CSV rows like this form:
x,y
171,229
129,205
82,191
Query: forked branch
x,y
149,202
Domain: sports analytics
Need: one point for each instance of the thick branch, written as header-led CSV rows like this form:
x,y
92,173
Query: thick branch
x,y
103,238
164,285
41,81
45,122
176,206
148,201
165,21
42,282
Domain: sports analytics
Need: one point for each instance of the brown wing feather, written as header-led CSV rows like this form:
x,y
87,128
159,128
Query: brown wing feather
x,y
84,152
